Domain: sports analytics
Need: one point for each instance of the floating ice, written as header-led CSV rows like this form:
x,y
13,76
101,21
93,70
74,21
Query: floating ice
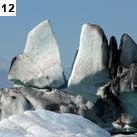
x,y
44,123
128,50
90,69
40,64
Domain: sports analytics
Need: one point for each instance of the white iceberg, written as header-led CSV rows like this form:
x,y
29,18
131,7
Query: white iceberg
x,y
90,70
40,64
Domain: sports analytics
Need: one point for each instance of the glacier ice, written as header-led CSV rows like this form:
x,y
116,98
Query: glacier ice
x,y
40,64
42,123
128,50
90,69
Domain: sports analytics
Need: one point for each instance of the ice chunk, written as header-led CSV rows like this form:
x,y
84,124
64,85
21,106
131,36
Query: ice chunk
x,y
90,69
50,124
128,50
40,64
114,57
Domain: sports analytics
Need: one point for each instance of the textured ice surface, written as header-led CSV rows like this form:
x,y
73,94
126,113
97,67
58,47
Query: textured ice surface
x,y
90,69
128,50
44,123
40,64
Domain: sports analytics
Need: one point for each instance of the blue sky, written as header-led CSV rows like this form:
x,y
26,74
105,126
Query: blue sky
x,y
114,16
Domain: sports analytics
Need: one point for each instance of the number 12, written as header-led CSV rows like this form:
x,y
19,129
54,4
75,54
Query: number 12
x,y
11,7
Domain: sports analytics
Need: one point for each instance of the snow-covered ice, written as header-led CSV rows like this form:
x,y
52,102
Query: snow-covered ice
x,y
42,123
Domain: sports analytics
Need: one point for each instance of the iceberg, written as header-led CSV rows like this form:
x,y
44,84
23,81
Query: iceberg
x,y
128,50
42,123
40,64
90,70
